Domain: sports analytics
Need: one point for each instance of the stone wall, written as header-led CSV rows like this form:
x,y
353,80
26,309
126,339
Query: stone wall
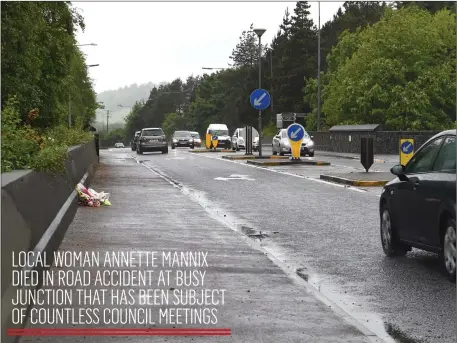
x,y
385,142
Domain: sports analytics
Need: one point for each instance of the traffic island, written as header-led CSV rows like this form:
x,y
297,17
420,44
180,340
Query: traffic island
x,y
254,157
196,151
360,179
287,162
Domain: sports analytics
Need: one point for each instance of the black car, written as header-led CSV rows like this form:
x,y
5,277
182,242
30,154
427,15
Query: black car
x,y
182,139
135,140
152,139
417,208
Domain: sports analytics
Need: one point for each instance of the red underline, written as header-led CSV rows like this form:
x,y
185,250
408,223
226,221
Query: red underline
x,y
118,332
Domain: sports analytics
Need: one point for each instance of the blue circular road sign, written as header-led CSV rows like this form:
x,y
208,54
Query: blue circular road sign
x,y
214,138
260,99
407,147
295,132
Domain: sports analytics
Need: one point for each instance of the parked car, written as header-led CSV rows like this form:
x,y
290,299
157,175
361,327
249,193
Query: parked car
x,y
239,138
135,140
119,145
197,139
182,139
152,139
417,208
281,144
221,131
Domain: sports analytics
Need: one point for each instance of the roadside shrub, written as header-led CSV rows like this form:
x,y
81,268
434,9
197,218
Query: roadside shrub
x,y
51,159
20,143
269,130
24,147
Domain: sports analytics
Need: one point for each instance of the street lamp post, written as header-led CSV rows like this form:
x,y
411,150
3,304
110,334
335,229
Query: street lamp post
x,y
319,70
259,33
69,97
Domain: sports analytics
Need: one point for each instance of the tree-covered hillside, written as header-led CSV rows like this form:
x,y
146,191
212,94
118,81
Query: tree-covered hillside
x,y
125,97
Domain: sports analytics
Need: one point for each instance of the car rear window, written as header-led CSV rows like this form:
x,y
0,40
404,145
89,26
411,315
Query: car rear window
x,y
153,132
182,134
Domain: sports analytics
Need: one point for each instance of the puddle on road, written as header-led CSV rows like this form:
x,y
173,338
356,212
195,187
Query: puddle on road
x,y
335,294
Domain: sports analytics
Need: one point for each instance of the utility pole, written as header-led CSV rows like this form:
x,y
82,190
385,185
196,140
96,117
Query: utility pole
x,y
107,120
319,70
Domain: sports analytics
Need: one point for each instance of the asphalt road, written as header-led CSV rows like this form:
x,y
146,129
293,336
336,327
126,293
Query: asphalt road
x,y
262,302
330,232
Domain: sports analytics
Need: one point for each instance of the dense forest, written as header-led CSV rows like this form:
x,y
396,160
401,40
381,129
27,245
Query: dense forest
x,y
389,64
47,97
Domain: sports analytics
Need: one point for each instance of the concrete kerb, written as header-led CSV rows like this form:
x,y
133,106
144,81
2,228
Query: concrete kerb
x,y
197,151
269,163
376,160
254,157
357,183
37,209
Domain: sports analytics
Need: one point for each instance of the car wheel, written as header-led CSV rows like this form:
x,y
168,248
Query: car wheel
x,y
391,245
281,153
449,249
172,146
165,151
311,154
191,146
273,150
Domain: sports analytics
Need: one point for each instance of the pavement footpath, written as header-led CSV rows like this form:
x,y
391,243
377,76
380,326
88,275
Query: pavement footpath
x,y
262,302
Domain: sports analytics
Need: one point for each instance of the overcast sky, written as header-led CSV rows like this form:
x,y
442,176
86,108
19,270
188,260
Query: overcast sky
x,y
139,42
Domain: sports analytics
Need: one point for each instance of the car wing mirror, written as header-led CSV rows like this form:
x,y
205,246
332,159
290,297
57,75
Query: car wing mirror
x,y
312,137
399,170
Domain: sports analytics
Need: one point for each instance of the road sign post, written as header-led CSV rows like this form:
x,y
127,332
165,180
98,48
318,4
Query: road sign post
x,y
295,132
260,100
214,141
248,137
406,150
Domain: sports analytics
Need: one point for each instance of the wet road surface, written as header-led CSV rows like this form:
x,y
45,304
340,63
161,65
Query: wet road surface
x,y
331,232
264,302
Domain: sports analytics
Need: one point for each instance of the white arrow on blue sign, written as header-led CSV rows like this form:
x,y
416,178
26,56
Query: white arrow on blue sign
x,y
295,132
407,147
260,99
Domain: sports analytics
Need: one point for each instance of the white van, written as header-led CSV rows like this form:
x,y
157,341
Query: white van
x,y
239,138
222,133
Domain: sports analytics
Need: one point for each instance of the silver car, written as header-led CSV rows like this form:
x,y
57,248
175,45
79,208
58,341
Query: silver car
x,y
281,144
152,139
197,140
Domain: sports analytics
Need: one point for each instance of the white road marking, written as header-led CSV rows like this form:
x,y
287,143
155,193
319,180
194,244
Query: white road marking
x,y
291,174
235,177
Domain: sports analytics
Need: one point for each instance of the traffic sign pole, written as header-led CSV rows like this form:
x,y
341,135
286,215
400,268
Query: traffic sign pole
x,y
260,133
260,100
295,133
